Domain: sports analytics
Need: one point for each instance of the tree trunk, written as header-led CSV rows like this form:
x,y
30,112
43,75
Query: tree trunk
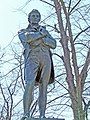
x,y
74,91
77,105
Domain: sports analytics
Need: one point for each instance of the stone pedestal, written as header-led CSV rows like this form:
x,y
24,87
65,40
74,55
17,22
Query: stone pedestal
x,y
45,119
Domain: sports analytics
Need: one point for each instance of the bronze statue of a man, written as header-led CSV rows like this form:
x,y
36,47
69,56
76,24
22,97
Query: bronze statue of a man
x,y
37,43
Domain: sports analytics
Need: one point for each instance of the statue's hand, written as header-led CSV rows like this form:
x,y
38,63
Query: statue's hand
x,y
33,37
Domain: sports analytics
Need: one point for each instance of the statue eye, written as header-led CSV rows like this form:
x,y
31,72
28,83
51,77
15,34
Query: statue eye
x,y
37,15
33,16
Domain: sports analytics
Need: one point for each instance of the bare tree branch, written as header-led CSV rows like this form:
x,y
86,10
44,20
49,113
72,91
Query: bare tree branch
x,y
81,32
47,3
75,6
83,73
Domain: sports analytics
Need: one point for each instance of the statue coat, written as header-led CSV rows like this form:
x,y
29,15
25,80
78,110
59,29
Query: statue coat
x,y
37,43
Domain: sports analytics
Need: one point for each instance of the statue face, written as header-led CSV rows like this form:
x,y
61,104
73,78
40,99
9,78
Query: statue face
x,y
34,18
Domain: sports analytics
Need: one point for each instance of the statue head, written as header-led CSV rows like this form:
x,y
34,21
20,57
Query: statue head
x,y
34,17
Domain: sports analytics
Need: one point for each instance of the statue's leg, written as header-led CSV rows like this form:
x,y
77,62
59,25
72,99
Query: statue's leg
x,y
45,76
31,69
28,96
42,100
